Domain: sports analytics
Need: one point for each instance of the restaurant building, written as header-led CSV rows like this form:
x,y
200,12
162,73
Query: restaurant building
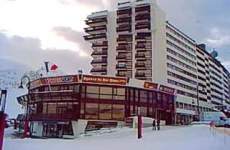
x,y
66,106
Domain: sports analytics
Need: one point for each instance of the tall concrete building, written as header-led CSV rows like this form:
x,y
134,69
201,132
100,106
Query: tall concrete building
x,y
136,41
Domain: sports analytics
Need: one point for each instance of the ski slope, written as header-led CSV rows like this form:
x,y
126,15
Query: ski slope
x,y
197,137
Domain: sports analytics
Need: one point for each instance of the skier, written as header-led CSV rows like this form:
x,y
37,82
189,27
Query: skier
x,y
154,124
158,124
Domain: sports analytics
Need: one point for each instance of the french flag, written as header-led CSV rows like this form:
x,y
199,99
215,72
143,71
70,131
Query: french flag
x,y
50,66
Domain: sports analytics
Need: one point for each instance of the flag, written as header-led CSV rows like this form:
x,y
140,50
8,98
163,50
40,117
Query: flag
x,y
50,66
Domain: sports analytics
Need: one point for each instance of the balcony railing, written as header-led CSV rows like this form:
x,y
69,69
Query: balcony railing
x,y
99,53
98,70
95,36
124,11
127,48
94,21
142,17
142,8
143,36
121,57
97,28
124,19
140,74
99,61
124,28
143,25
104,44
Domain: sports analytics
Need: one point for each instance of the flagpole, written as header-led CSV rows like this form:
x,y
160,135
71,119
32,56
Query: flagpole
x,y
47,70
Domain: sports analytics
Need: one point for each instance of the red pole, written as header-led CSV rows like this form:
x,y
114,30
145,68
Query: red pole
x,y
26,129
2,127
139,127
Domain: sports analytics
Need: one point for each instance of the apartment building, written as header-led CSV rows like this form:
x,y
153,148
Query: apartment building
x,y
141,44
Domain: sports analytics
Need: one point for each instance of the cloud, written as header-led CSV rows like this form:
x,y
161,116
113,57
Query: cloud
x,y
27,51
74,36
218,38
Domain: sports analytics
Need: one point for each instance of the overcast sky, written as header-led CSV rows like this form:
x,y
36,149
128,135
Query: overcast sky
x,y
33,31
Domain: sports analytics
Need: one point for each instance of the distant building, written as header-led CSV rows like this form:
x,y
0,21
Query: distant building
x,y
136,41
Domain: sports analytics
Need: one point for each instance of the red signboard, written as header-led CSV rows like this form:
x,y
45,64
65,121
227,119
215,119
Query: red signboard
x,y
150,85
105,80
167,89
54,80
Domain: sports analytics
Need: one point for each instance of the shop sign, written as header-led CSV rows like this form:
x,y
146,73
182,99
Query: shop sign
x,y
167,89
104,80
150,85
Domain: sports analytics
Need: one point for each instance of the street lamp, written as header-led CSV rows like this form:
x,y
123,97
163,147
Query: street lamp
x,y
26,125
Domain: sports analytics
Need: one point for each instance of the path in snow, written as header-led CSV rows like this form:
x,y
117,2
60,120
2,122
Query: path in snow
x,y
175,138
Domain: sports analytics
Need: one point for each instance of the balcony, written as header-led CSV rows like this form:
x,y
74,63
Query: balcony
x,y
124,48
140,74
99,61
96,21
95,36
140,65
143,36
123,28
99,53
143,25
97,28
98,70
124,20
140,55
120,56
142,9
104,44
121,66
124,11
124,39
142,17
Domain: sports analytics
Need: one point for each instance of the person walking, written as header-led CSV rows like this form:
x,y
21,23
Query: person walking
x,y
158,124
154,124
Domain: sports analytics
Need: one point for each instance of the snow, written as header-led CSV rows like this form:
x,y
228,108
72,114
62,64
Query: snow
x,y
197,137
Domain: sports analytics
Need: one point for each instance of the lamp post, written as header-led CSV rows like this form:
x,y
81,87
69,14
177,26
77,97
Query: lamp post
x,y
3,94
26,125
139,122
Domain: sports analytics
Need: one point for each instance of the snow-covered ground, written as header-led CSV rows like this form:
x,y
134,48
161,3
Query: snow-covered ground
x,y
197,137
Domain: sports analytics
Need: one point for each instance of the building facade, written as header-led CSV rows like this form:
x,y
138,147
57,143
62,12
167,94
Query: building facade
x,y
141,44
66,106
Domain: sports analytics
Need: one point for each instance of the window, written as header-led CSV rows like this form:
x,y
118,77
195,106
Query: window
x,y
92,92
91,111
118,112
143,96
119,94
106,92
51,108
105,111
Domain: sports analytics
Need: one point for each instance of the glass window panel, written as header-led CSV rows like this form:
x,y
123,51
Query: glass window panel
x,y
91,111
119,97
106,97
106,90
51,108
143,111
119,91
118,112
92,89
44,110
105,111
96,96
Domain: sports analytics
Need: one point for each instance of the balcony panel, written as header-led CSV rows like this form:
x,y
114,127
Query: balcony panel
x,y
142,9
99,61
98,70
124,11
91,22
95,36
